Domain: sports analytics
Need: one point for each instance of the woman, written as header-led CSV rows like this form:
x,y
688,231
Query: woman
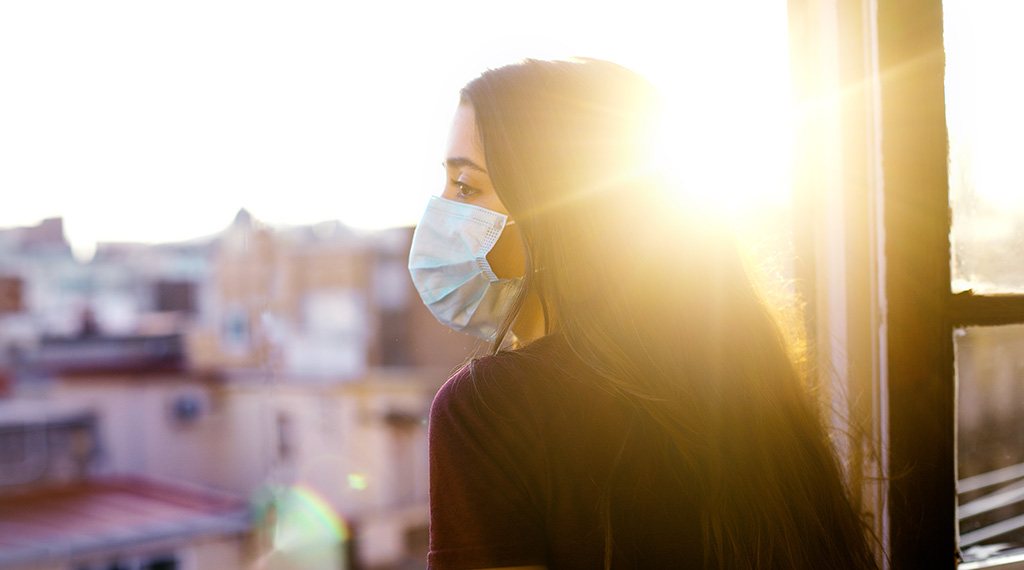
x,y
651,415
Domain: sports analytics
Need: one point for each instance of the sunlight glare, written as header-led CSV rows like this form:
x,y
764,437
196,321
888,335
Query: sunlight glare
x,y
727,129
319,111
983,95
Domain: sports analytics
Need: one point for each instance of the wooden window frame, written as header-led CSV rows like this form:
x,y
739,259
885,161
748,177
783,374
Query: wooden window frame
x,y
871,204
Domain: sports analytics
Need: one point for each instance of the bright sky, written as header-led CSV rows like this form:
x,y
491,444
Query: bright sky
x,y
984,90
156,121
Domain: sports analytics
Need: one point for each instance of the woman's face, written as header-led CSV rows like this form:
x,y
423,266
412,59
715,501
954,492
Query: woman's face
x,y
467,181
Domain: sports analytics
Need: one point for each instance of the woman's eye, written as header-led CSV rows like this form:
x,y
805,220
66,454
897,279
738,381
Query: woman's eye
x,y
464,190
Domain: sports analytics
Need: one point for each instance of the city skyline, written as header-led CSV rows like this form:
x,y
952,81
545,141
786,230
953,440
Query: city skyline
x,y
138,123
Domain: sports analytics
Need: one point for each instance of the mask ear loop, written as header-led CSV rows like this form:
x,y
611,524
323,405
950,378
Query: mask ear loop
x,y
539,283
533,281
512,313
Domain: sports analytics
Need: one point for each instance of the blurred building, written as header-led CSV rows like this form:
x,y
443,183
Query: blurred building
x,y
124,289
55,513
291,367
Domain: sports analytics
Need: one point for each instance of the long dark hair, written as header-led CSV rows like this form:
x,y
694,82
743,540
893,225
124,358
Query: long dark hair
x,y
655,298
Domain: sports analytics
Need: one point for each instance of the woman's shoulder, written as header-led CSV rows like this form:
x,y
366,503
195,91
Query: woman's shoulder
x,y
508,382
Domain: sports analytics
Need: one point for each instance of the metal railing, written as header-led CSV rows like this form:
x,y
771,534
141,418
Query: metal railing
x,y
1010,491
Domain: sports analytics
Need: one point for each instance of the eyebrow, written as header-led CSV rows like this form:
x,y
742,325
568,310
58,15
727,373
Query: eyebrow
x,y
460,162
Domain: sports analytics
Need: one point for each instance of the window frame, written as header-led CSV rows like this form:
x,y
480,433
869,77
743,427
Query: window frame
x,y
871,204
921,387
839,235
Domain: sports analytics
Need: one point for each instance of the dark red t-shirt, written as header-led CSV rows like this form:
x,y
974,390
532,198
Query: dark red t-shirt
x,y
522,448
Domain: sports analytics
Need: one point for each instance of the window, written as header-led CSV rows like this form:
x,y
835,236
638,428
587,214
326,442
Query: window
x,y
904,310
175,296
984,120
990,440
11,294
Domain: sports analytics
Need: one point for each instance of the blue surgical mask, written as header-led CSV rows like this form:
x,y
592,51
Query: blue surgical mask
x,y
448,263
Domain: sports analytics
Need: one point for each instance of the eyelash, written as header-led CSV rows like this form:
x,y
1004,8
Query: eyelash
x,y
465,190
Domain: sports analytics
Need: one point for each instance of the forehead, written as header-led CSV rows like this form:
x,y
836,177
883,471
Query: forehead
x,y
463,138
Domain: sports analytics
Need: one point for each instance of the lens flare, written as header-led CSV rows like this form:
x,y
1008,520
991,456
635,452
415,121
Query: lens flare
x,y
304,530
315,513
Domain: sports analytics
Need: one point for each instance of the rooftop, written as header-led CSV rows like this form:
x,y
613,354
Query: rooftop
x,y
96,516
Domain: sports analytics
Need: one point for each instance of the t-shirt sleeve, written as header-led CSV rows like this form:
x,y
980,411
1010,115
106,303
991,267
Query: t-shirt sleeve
x,y
484,473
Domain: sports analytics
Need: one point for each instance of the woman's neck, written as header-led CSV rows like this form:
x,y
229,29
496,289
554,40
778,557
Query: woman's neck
x,y
530,323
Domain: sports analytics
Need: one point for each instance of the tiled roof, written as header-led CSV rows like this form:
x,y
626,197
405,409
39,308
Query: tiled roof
x,y
101,515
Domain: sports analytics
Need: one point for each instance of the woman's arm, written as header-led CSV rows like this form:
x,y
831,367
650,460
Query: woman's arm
x,y
483,452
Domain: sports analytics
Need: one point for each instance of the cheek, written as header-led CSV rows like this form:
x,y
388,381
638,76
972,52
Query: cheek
x,y
506,257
